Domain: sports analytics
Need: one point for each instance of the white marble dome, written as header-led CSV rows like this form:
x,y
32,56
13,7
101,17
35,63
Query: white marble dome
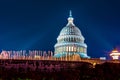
x,y
70,30
70,41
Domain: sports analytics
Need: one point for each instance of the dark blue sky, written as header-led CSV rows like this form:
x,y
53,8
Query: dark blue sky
x,y
35,24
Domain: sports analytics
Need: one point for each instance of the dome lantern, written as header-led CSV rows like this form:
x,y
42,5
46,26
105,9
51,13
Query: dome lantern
x,y
70,18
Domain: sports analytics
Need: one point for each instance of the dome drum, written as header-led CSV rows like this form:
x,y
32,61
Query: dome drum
x,y
70,39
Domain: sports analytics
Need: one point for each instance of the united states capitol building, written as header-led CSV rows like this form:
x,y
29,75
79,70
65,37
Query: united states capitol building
x,y
70,46
70,41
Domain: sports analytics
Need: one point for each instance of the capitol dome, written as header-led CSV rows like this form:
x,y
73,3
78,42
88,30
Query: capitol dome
x,y
70,30
70,41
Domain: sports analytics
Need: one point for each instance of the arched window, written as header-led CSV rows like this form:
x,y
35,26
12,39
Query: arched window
x,y
71,39
67,48
81,49
72,48
78,49
68,38
85,51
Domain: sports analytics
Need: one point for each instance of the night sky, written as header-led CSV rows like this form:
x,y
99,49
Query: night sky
x,y
35,24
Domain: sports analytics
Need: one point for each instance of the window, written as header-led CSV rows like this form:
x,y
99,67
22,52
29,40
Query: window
x,y
67,48
72,48
81,49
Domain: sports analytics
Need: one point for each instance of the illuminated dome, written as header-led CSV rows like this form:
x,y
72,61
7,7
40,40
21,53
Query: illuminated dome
x,y
70,30
70,41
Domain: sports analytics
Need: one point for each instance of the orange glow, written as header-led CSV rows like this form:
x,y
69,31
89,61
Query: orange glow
x,y
115,51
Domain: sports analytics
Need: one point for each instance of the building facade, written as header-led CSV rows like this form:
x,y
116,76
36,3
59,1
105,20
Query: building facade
x,y
70,41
